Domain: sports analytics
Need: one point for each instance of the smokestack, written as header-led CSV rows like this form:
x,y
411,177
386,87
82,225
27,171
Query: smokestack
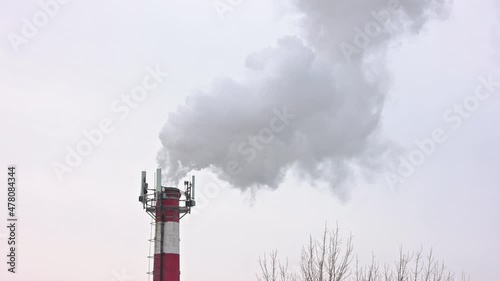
x,y
163,205
167,237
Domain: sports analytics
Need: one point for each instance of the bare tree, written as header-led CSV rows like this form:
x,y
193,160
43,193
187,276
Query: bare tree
x,y
367,273
330,259
273,270
327,259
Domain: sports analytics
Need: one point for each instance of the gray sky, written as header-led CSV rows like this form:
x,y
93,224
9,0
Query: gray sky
x,y
87,224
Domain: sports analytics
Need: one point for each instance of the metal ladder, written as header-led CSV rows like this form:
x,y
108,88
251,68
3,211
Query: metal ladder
x,y
151,248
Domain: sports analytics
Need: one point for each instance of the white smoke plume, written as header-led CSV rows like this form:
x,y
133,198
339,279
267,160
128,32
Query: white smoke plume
x,y
311,108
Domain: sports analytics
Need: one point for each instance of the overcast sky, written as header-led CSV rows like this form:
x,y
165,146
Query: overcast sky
x,y
72,75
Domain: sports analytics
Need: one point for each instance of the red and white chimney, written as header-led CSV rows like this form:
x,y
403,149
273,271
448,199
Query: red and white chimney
x,y
163,204
167,236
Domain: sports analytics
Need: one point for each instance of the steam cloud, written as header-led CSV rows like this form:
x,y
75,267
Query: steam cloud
x,y
311,108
